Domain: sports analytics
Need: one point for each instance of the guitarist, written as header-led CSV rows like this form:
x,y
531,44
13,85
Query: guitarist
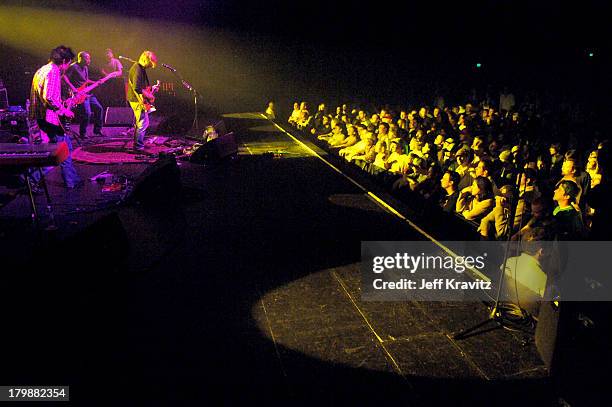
x,y
46,106
115,93
77,76
139,94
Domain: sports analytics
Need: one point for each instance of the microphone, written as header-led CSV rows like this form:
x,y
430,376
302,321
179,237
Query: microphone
x,y
168,67
126,58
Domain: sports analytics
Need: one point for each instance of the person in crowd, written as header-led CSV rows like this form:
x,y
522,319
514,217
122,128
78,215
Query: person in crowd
x,y
484,168
322,128
325,136
270,111
382,135
353,135
568,221
416,172
556,160
366,157
398,161
304,117
528,192
356,148
339,133
449,183
525,275
593,168
295,114
571,171
475,201
482,147
382,155
496,223
540,217
506,101
462,162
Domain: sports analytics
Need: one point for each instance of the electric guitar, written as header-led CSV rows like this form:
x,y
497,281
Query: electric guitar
x,y
82,93
148,97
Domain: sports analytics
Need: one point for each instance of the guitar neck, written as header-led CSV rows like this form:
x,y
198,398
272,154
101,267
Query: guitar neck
x,y
97,83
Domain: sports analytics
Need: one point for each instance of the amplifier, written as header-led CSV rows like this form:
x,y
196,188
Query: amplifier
x,y
119,116
15,122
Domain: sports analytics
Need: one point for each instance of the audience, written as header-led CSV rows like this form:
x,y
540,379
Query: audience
x,y
456,156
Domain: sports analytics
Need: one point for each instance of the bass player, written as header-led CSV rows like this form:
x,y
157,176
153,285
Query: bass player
x,y
140,95
76,77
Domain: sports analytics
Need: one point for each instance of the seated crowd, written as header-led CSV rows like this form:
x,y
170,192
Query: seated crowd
x,y
484,164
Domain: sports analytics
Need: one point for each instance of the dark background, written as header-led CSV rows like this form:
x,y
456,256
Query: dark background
x,y
376,52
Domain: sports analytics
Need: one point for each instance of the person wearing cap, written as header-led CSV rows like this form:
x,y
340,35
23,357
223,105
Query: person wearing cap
x,y
462,162
495,224
507,169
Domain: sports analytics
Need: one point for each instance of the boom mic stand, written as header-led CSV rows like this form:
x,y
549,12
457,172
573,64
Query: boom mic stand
x,y
194,126
498,310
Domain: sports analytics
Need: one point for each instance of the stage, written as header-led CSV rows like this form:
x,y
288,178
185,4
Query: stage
x,y
246,287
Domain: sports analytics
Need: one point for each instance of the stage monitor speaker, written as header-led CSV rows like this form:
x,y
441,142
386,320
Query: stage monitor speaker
x,y
216,150
159,184
119,116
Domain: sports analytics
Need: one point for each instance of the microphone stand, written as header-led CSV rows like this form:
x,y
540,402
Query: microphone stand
x,y
194,126
497,313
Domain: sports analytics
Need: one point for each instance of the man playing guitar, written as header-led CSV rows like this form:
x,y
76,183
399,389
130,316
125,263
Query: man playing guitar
x,y
77,76
46,106
140,95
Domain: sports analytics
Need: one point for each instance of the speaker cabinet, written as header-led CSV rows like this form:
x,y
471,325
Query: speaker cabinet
x,y
216,150
159,184
15,122
119,116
